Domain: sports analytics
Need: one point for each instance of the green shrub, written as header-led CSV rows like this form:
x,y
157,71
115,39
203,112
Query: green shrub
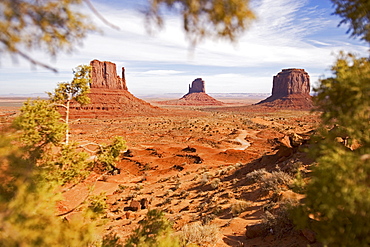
x,y
337,203
275,181
108,155
154,231
256,175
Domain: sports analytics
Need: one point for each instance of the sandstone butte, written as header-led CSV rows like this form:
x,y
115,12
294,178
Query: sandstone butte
x,y
291,89
196,96
109,95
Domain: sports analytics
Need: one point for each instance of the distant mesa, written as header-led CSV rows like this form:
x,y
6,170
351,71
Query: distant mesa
x,y
291,89
104,75
109,96
196,96
197,86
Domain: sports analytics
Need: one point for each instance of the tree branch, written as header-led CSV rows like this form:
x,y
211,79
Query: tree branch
x,y
93,9
35,62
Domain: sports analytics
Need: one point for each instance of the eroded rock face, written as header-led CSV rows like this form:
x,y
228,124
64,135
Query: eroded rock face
x,y
291,89
109,96
104,75
291,81
197,86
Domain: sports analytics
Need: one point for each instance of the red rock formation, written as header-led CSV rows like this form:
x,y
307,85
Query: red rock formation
x,y
197,86
291,81
104,75
109,96
291,89
196,96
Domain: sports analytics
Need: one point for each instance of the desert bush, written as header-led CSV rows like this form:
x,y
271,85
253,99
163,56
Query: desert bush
x,y
207,218
97,205
275,180
109,154
205,178
239,207
111,240
201,235
215,183
153,231
256,175
65,166
278,223
298,185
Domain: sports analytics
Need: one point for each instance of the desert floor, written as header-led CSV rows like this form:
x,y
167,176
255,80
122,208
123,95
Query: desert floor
x,y
194,165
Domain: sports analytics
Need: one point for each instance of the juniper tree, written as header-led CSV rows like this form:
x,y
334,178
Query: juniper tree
x,y
76,90
337,203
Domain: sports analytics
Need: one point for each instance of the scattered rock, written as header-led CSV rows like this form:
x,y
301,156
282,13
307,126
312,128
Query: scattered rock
x,y
289,195
134,206
128,153
309,235
285,141
144,202
255,231
177,167
296,140
189,149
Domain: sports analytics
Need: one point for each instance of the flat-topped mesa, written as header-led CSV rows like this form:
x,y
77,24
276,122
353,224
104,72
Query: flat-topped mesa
x,y
291,81
196,96
104,75
291,89
197,86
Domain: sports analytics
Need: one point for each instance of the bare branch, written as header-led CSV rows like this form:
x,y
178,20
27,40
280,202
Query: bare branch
x,y
35,62
93,9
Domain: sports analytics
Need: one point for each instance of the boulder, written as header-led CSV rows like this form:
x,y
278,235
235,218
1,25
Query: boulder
x,y
309,235
255,231
144,203
135,205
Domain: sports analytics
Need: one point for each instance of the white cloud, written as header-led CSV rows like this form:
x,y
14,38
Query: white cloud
x,y
162,72
283,36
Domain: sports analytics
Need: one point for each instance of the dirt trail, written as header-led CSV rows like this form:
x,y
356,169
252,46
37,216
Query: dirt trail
x,y
241,139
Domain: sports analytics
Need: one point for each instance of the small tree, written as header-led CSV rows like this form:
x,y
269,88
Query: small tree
x,y
154,231
40,125
76,90
356,14
28,205
338,196
108,155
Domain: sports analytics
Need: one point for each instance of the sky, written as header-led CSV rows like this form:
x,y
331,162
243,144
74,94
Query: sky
x,y
287,34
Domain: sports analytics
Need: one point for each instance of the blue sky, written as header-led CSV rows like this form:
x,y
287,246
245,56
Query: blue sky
x,y
287,34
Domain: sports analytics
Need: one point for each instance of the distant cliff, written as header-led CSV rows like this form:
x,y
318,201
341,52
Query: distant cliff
x,y
290,89
109,96
104,75
197,86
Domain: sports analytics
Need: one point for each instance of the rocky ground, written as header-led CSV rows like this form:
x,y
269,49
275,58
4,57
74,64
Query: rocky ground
x,y
215,166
